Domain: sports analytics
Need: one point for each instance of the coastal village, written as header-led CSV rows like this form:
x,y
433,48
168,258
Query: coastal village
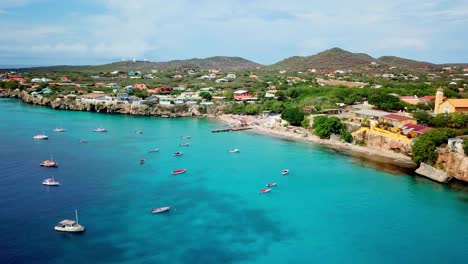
x,y
385,109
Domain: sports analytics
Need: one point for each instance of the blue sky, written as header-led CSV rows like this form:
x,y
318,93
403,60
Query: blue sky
x,y
51,32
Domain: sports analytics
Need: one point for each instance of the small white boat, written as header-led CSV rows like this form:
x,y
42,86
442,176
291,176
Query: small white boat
x,y
186,137
59,129
100,129
161,210
178,153
285,171
138,132
83,141
50,182
70,225
153,150
40,137
184,144
48,163
234,150
273,184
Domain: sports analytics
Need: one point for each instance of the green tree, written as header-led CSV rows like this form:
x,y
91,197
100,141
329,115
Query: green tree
x,y
346,136
293,115
306,122
205,95
324,127
422,117
385,102
424,148
252,109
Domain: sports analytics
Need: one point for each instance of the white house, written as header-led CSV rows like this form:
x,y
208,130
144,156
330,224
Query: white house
x,y
222,80
231,76
205,77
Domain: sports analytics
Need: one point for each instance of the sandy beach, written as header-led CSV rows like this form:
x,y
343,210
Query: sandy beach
x,y
273,126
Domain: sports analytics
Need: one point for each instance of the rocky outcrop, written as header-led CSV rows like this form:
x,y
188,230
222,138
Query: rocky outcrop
x,y
115,107
433,173
377,141
454,163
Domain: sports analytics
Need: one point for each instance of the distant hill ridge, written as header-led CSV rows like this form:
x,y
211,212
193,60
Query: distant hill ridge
x,y
331,59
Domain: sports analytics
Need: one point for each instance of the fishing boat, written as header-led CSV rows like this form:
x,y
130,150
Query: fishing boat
x,y
50,182
184,144
59,129
153,150
142,161
179,171
234,150
273,184
70,225
48,163
100,130
265,190
40,137
138,132
161,210
285,171
178,153
186,137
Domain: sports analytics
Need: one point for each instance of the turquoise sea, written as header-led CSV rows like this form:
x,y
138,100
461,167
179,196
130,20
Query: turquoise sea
x,y
329,209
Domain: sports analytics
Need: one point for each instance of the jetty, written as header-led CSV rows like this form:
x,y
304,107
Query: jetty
x,y
230,129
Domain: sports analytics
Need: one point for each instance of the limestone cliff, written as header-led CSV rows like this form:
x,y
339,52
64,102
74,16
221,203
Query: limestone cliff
x,y
377,141
452,162
146,109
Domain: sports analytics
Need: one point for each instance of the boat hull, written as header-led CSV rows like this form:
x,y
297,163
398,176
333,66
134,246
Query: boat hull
x,y
77,229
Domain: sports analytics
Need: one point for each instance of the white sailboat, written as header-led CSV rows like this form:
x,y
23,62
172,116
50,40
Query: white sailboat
x,y
70,225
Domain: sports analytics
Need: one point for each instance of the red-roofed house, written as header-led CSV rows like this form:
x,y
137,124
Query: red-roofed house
x,y
414,130
17,78
140,86
161,90
412,100
240,95
427,98
397,120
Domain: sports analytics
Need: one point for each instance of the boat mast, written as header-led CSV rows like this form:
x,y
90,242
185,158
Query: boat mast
x,y
76,214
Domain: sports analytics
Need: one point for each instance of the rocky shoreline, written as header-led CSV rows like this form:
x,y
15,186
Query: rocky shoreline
x,y
115,107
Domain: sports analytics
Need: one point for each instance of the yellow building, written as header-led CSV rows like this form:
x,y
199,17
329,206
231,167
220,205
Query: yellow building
x,y
450,105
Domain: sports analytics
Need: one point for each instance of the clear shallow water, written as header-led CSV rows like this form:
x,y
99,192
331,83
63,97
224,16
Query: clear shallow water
x,y
330,209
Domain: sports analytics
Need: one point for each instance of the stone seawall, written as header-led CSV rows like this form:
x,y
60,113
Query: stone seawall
x,y
433,173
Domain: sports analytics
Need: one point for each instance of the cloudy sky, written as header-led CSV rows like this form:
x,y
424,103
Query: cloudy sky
x,y
50,32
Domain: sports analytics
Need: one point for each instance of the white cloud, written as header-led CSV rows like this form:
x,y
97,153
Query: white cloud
x,y
259,29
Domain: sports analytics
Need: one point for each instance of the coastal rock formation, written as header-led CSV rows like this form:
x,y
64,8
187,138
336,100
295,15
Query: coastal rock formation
x,y
433,173
144,109
386,143
454,163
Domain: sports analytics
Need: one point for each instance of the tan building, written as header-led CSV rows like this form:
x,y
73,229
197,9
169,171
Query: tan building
x,y
449,105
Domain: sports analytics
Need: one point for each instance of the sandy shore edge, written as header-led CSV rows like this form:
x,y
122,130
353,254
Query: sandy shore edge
x,y
271,126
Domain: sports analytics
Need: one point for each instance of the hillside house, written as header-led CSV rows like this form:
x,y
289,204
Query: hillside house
x,y
449,105
413,130
412,100
230,76
140,86
397,120
241,95
94,97
372,115
270,93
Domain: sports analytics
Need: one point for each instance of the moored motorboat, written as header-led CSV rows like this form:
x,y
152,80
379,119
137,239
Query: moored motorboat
x,y
59,129
83,141
234,150
50,182
179,171
178,153
273,184
48,163
153,150
186,137
40,137
138,132
100,129
161,209
69,225
265,190
285,171
184,144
